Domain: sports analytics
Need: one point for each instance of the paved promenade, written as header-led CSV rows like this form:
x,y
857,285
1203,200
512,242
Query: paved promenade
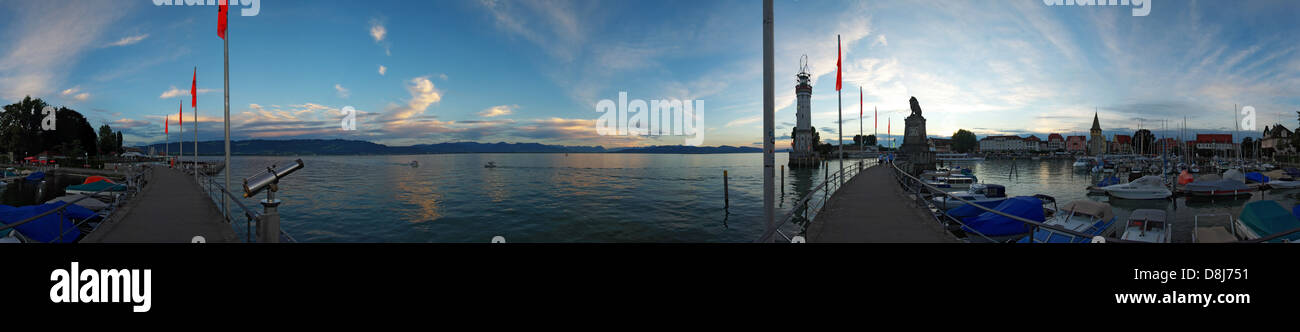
x,y
872,208
171,209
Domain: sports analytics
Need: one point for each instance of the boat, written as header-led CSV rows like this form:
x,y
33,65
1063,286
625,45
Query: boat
x,y
958,181
999,228
1098,189
1213,233
1194,169
1284,184
1264,218
53,227
1147,225
89,203
96,188
36,176
95,178
1256,177
490,164
1083,216
956,157
1082,163
1221,187
415,163
983,194
1146,187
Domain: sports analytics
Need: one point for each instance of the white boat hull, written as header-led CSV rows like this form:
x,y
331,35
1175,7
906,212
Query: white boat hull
x,y
1140,194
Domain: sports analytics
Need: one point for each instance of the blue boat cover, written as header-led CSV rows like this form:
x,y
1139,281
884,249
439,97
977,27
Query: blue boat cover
x,y
1256,177
1109,180
992,224
1295,211
968,210
36,176
1267,217
47,228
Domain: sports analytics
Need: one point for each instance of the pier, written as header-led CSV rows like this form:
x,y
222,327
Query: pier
x,y
872,208
171,208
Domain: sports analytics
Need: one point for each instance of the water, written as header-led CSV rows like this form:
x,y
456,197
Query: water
x,y
1058,179
527,198
22,192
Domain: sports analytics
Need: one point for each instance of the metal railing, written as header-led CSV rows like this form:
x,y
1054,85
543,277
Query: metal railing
x,y
807,208
134,184
215,191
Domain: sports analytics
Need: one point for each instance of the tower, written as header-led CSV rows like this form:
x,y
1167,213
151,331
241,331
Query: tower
x,y
1096,141
802,154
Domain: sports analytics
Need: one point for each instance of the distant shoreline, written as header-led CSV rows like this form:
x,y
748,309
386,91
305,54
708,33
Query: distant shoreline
x,y
355,147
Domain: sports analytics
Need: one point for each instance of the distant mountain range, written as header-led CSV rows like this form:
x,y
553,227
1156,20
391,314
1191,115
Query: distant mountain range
x,y
353,147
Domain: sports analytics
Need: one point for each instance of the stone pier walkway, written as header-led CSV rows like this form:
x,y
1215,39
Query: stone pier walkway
x,y
171,209
872,208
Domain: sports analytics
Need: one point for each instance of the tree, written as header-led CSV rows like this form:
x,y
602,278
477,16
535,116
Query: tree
x,y
21,132
1144,142
963,141
107,140
861,140
119,142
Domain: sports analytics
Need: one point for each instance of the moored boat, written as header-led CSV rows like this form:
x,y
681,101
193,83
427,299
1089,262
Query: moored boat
x,y
983,194
1147,225
1264,218
1146,187
1083,216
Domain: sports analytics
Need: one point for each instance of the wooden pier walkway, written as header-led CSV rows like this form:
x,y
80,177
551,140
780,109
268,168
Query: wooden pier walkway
x,y
872,208
171,209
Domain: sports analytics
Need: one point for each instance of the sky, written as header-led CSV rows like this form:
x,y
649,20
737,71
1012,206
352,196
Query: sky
x,y
422,72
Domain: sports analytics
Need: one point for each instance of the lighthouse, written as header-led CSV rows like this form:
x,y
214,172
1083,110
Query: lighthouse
x,y
802,153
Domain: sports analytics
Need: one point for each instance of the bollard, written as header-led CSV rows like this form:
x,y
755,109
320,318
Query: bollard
x,y
726,194
783,179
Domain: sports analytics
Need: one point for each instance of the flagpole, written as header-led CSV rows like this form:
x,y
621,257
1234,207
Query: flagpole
x,y
225,46
863,141
180,137
195,104
839,95
769,102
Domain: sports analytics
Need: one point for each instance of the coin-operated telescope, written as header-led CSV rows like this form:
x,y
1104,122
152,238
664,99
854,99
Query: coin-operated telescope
x,y
268,227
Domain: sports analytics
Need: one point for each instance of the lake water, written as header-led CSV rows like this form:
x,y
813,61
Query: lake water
x,y
527,198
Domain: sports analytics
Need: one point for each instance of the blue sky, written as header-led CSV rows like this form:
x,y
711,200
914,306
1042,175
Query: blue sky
x,y
532,71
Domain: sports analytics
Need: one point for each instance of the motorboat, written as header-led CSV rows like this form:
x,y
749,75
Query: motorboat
x,y
1146,187
415,163
983,194
99,188
958,181
490,164
1099,188
1284,184
1264,218
988,226
1084,216
1147,225
1082,163
1221,187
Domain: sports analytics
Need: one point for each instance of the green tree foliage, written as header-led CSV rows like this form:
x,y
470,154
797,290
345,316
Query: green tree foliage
x,y
20,131
963,141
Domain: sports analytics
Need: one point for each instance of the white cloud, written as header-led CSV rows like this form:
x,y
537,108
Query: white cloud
x,y
129,40
423,94
379,33
342,92
499,110
382,70
442,76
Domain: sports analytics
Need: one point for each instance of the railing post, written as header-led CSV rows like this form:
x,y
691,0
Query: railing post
x,y
726,193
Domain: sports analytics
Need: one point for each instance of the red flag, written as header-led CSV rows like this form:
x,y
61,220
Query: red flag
x,y
180,116
838,75
221,18
167,124
194,92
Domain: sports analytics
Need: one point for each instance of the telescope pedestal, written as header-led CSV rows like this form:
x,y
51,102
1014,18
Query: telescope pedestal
x,y
268,229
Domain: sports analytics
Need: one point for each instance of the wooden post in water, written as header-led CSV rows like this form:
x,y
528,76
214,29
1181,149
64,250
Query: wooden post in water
x,y
782,179
726,194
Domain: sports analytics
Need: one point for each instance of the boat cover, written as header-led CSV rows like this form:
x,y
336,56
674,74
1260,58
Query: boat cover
x,y
1185,178
1216,185
1209,177
47,228
1149,181
1233,174
969,211
1295,211
89,203
1267,217
1091,208
96,186
1256,177
36,176
991,224
1147,215
1108,181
